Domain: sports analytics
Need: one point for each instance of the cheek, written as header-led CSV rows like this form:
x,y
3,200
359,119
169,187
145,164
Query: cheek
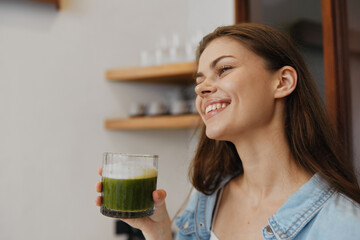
x,y
235,89
198,104
234,82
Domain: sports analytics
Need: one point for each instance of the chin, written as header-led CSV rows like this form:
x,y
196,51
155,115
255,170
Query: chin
x,y
215,134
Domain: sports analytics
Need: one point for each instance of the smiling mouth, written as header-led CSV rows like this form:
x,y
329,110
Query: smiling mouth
x,y
216,107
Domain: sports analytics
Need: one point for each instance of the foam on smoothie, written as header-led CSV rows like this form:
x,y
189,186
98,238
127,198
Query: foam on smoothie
x,y
128,171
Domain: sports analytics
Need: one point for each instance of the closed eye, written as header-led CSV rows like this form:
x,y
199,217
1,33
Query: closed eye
x,y
221,70
199,80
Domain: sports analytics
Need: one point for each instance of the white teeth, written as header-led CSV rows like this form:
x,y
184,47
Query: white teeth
x,y
215,106
208,108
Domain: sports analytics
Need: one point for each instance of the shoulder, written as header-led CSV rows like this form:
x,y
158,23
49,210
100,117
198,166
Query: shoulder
x,y
197,201
185,221
341,208
340,216
195,219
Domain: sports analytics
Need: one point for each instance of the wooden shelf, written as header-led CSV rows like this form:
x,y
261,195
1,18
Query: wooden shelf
x,y
156,122
170,73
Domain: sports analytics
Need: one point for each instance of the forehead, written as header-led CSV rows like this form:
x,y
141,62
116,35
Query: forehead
x,y
224,46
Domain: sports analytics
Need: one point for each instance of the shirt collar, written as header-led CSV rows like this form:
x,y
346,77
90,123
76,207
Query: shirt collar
x,y
300,208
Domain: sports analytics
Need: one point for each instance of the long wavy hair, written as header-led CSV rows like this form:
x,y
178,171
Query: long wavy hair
x,y
312,140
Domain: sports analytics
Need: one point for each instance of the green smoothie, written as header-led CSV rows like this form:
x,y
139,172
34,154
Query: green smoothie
x,y
129,198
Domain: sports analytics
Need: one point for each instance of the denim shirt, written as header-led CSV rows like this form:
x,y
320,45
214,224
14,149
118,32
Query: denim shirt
x,y
315,212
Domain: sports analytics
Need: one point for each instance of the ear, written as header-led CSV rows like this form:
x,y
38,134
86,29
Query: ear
x,y
286,80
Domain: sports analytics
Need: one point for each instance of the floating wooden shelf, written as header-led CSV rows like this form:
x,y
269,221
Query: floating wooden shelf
x,y
156,122
170,73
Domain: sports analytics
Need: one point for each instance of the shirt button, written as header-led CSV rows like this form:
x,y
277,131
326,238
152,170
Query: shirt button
x,y
201,224
269,230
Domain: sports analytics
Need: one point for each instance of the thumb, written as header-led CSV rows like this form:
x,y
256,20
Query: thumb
x,y
160,206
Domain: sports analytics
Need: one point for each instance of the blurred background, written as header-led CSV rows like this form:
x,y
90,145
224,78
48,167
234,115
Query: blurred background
x,y
54,98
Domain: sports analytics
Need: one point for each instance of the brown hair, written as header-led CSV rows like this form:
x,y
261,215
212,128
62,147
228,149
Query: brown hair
x,y
312,140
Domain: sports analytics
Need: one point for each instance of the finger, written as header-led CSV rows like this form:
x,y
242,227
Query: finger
x,y
98,187
100,171
98,201
159,197
160,207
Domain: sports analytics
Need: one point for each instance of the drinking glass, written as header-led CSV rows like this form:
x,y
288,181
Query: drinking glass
x,y
128,181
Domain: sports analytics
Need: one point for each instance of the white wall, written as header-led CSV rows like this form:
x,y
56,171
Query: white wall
x,y
54,98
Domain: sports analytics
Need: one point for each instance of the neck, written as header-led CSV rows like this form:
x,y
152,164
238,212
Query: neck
x,y
270,169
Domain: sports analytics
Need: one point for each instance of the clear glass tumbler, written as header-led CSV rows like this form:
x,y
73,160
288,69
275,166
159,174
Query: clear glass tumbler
x,y
128,182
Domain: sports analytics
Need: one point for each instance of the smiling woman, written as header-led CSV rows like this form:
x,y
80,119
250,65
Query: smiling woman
x,y
268,164
269,154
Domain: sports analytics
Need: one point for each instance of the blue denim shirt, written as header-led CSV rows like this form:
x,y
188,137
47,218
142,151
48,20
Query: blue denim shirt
x,y
315,212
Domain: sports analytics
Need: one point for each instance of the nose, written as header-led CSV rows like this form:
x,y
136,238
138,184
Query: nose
x,y
205,88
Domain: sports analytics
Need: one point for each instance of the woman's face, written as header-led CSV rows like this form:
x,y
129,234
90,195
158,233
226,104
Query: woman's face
x,y
235,92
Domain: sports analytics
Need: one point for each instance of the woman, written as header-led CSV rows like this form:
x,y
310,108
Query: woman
x,y
268,165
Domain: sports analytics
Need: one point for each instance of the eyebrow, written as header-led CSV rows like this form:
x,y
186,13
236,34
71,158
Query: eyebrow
x,y
213,64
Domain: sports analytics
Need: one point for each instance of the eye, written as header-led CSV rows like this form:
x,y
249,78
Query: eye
x,y
223,69
199,78
198,81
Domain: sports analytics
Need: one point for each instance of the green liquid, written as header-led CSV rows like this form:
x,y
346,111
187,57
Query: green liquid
x,y
128,194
